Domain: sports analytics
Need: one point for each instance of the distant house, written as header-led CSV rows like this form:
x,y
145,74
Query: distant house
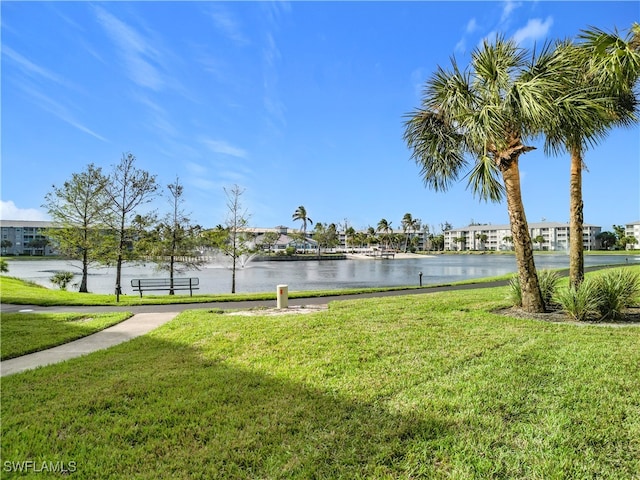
x,y
284,240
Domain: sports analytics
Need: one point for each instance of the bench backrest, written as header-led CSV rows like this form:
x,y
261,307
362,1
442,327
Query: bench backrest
x,y
165,282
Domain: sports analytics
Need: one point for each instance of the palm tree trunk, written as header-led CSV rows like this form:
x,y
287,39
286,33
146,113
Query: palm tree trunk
x,y
576,219
532,301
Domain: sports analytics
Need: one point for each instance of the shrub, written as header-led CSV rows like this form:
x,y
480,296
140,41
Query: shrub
x,y
62,279
617,290
582,303
548,281
515,292
4,266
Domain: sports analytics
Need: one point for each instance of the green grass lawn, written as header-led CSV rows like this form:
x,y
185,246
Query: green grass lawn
x,y
20,292
23,333
419,386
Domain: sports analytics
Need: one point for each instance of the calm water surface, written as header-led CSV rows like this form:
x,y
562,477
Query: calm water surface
x,y
312,275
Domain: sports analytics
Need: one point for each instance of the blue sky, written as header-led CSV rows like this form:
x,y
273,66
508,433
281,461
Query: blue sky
x,y
299,103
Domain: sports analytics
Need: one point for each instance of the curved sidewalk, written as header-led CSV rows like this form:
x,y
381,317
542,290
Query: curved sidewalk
x,y
135,326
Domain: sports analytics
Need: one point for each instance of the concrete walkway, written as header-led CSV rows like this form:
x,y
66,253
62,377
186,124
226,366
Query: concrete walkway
x,y
135,326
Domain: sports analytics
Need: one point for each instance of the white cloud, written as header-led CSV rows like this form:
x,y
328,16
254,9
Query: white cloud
x,y
9,211
472,26
220,146
535,29
509,7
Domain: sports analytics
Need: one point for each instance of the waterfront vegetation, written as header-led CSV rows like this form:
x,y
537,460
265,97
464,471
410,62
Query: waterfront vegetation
x,y
28,332
415,386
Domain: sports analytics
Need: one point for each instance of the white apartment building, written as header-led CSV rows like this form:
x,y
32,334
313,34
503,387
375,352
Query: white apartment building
x,y
633,230
554,237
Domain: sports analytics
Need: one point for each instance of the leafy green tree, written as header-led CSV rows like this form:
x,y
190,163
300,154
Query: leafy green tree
x,y
539,239
6,244
486,114
128,189
599,74
627,241
349,237
509,240
437,242
173,243
607,239
269,239
301,215
319,235
40,243
77,210
482,238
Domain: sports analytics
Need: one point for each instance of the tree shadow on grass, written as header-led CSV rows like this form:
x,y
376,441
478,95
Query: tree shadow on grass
x,y
156,409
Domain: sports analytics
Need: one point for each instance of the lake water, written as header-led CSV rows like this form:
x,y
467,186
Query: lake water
x,y
313,274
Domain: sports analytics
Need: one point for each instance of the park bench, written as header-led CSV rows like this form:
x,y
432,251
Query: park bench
x,y
145,284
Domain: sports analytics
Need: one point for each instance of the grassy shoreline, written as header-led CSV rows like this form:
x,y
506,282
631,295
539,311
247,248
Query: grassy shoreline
x,y
416,386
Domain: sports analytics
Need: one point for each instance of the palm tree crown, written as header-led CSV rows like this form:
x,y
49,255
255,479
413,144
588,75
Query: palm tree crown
x,y
301,214
600,72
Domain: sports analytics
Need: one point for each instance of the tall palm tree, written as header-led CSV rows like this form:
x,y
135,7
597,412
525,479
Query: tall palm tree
x,y
301,214
486,114
384,227
409,226
603,68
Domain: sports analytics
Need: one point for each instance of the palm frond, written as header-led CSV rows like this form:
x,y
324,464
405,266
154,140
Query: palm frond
x,y
483,180
436,147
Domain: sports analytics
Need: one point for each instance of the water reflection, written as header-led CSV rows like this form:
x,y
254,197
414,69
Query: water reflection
x,y
313,274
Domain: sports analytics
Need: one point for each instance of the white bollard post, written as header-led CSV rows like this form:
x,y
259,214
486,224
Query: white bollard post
x,y
282,295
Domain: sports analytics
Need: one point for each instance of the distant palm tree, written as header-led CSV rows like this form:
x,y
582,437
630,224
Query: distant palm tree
x,y
301,214
409,226
384,227
486,114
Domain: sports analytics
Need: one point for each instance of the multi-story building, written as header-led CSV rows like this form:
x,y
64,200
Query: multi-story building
x,y
544,235
24,237
633,230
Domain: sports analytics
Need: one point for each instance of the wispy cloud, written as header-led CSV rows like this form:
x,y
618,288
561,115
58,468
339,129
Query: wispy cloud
x,y
472,26
535,29
220,146
30,68
141,58
418,77
62,112
226,23
9,211
508,8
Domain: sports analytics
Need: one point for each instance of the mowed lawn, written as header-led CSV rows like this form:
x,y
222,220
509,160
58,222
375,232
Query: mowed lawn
x,y
419,386
23,333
